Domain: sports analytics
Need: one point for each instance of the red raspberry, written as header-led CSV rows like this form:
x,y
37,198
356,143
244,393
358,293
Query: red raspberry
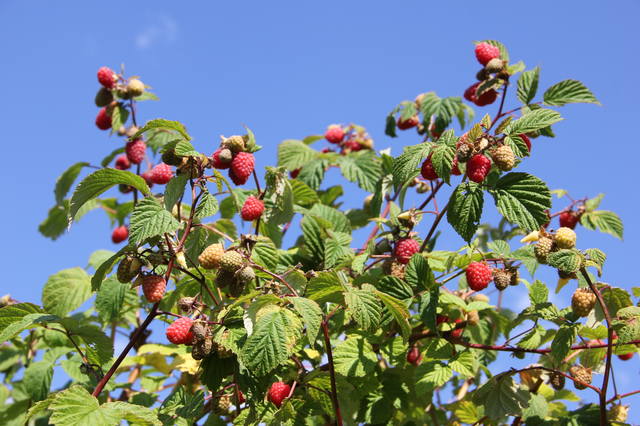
x,y
135,151
161,174
294,173
334,134
325,150
569,219
352,145
179,332
526,140
241,167
478,167
122,162
414,356
408,123
454,168
470,93
153,287
217,163
456,333
427,171
478,275
147,176
406,248
252,209
486,98
278,392
120,234
486,52
626,357
441,319
107,77
103,120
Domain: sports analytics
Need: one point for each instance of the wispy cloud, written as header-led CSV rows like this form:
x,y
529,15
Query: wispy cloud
x,y
163,30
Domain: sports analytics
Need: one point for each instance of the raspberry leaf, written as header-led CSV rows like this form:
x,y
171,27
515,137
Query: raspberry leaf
x,y
354,357
532,121
399,312
293,154
66,179
528,85
363,306
522,199
311,315
162,124
66,291
405,166
150,219
604,221
362,167
465,209
567,92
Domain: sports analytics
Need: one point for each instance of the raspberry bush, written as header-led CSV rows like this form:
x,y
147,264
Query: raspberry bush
x,y
322,312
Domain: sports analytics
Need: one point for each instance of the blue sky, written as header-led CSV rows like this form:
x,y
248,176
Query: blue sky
x,y
287,69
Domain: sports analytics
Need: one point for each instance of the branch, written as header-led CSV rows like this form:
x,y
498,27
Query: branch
x,y
433,228
332,373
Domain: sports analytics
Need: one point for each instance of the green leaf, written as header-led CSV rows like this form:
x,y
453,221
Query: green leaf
x,y
464,363
335,218
567,92
311,315
149,219
615,298
174,191
418,273
265,253
105,268
20,316
75,406
160,123
66,179
566,260
313,237
302,194
56,222
399,312
65,291
110,299
336,248
442,155
528,85
37,379
185,149
119,116
518,145
538,293
313,173
432,375
404,166
522,199
354,357
534,120
604,221
501,397
132,413
293,154
563,340
362,167
100,181
207,206
271,343
325,287
363,306
465,209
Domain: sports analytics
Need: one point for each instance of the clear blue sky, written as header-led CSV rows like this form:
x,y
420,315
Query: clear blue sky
x,y
287,69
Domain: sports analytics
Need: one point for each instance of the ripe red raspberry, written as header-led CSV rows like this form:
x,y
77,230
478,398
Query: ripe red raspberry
x,y
325,150
217,162
408,123
427,171
350,145
486,98
147,178
241,167
478,275
278,392
441,319
526,140
470,93
103,120
161,174
107,77
568,219
252,209
122,162
478,167
456,333
414,356
406,248
120,234
334,134
627,356
153,287
454,167
486,52
179,332
294,173
135,151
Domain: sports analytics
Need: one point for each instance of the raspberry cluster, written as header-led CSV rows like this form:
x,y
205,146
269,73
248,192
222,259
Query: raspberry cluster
x,y
348,138
491,77
232,154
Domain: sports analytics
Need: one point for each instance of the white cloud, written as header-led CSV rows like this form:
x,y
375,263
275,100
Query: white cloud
x,y
164,29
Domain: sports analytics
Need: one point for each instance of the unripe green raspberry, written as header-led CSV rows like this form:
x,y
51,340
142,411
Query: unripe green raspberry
x,y
464,152
231,261
210,257
224,278
543,247
501,278
618,413
565,238
245,275
236,288
494,65
135,87
583,301
104,97
234,143
581,373
504,158
128,268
